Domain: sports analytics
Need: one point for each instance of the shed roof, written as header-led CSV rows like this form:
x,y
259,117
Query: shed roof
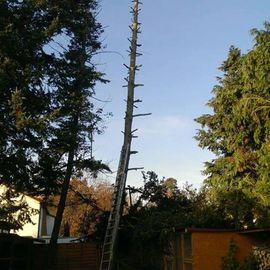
x,y
216,230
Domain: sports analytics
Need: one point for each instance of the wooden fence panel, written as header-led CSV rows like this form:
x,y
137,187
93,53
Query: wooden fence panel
x,y
71,256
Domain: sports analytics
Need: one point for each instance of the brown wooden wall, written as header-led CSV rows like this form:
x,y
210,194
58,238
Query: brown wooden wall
x,y
75,256
209,248
206,248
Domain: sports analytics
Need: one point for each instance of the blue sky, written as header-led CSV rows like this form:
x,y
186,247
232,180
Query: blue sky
x,y
184,42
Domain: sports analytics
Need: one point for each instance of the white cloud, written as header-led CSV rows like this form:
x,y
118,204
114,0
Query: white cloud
x,y
164,125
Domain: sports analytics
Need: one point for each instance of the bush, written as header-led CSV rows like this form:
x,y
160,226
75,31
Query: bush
x,y
230,262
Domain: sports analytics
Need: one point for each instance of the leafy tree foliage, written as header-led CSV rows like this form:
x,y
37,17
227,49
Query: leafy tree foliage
x,y
160,208
85,205
238,133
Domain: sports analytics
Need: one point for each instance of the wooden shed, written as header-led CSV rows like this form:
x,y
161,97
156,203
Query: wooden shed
x,y
203,249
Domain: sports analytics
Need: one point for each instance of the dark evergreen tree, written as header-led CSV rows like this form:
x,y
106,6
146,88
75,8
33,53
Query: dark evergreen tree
x,y
73,78
24,104
24,99
46,115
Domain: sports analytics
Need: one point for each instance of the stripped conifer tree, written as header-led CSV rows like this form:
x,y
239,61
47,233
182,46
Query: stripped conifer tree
x,y
107,262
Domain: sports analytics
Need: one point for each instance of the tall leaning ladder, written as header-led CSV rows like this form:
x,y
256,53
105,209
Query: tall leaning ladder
x,y
109,245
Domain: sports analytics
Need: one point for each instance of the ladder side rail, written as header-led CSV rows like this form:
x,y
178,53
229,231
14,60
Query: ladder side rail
x,y
122,180
113,222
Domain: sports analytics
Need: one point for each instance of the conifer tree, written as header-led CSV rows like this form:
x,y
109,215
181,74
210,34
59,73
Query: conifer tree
x,y
74,77
46,114
237,132
23,99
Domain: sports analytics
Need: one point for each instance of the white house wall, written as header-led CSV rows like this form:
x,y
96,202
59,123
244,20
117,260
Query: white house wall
x,y
30,229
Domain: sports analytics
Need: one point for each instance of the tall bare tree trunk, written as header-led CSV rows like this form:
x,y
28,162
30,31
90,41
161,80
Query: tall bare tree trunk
x,y
109,246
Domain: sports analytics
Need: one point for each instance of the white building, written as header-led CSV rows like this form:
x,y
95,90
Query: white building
x,y
42,221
